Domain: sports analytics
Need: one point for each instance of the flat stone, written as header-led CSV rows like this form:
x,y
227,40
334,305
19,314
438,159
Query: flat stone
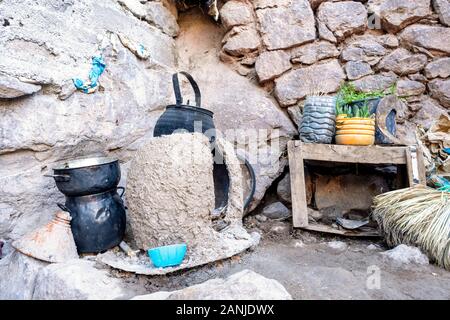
x,y
375,82
442,7
429,37
357,69
325,33
364,49
271,64
397,14
78,280
330,76
418,77
406,88
236,13
276,210
403,62
438,68
241,40
343,18
285,27
312,52
245,285
440,90
11,87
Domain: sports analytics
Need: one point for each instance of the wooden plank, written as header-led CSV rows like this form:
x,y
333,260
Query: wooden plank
x,y
422,169
353,154
409,168
348,233
298,190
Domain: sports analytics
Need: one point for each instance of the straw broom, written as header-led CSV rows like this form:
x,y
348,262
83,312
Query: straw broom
x,y
418,216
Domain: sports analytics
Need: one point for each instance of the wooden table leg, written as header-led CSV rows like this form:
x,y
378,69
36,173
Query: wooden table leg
x,y
298,189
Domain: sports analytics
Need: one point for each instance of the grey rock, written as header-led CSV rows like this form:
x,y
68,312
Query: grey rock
x,y
442,7
406,88
357,69
440,90
428,111
325,33
236,13
433,38
327,77
343,18
418,77
276,210
245,285
312,52
11,87
397,14
19,274
366,49
403,62
295,113
271,64
380,81
154,13
284,189
438,68
261,4
78,280
404,255
285,27
241,40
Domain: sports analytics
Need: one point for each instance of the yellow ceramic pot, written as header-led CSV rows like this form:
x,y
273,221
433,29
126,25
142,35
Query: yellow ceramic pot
x,y
355,131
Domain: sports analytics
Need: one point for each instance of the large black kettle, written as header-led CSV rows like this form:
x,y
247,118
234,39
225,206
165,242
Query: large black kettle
x,y
184,117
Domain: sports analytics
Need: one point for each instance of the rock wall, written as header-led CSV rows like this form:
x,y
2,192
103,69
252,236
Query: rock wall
x,y
254,68
294,46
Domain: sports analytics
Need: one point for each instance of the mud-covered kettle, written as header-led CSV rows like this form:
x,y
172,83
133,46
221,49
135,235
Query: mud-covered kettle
x,y
190,118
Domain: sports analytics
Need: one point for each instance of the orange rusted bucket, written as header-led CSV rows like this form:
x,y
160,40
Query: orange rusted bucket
x,y
52,243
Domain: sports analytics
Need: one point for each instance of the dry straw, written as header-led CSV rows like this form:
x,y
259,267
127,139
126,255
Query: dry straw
x,y
418,216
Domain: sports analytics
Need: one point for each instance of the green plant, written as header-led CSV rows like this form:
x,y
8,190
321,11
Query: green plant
x,y
348,93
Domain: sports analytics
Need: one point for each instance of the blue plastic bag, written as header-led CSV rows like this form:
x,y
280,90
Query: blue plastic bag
x,y
98,66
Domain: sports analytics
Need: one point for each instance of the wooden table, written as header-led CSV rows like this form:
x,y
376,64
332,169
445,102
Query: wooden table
x,y
298,152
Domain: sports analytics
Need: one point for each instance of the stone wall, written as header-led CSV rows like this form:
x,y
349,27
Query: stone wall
x,y
293,46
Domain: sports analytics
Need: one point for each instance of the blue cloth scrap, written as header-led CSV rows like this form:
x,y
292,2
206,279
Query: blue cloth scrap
x,y
447,150
98,66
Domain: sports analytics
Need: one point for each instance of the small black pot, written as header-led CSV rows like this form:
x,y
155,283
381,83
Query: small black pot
x,y
98,221
87,176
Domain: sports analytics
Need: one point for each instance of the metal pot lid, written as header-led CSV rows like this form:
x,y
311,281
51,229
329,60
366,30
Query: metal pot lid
x,y
85,162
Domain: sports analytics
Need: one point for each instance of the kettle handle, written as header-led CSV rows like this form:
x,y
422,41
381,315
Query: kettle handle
x,y
177,91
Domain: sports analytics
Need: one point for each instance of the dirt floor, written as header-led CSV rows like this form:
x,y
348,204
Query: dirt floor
x,y
309,267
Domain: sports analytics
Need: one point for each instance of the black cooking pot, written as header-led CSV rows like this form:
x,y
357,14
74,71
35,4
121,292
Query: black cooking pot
x,y
87,176
186,118
98,220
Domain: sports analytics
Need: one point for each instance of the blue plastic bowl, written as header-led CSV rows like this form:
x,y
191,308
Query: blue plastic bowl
x,y
167,256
